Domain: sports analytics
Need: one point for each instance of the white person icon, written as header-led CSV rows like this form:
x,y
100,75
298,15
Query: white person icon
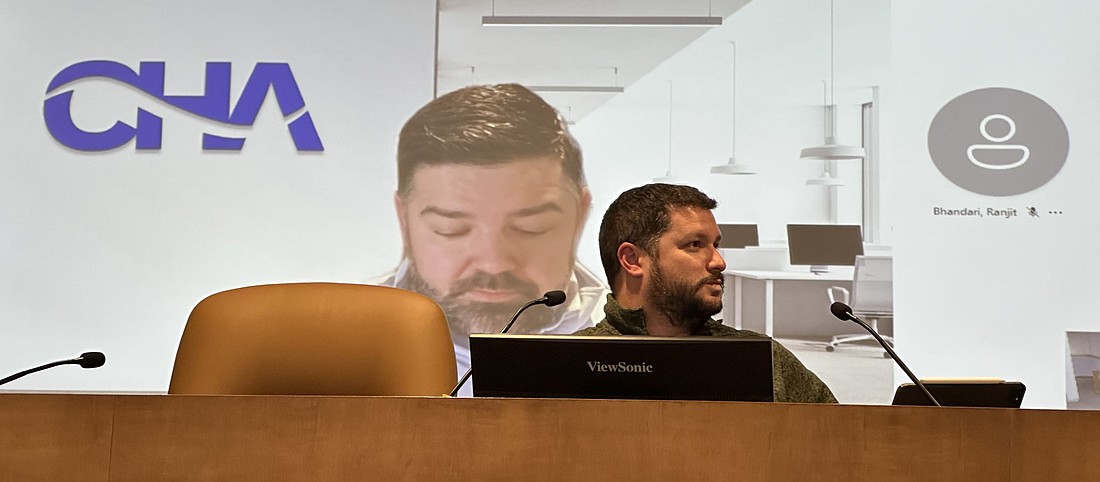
x,y
1023,152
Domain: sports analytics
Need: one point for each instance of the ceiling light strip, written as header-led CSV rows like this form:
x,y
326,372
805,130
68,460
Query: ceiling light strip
x,y
567,21
576,89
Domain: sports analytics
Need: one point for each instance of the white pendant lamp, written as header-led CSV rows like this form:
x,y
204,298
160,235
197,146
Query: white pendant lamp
x,y
733,167
826,180
668,178
581,89
832,150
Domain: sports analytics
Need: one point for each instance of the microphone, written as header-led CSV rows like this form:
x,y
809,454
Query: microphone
x,y
554,298
844,313
92,359
550,298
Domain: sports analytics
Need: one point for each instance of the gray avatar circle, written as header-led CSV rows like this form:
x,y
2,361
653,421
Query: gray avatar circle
x,y
998,141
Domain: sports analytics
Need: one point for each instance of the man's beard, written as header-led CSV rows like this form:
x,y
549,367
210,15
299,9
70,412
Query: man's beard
x,y
681,301
465,317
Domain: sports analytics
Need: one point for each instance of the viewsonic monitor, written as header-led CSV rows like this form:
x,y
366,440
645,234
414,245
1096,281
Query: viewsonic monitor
x,y
737,236
622,367
822,245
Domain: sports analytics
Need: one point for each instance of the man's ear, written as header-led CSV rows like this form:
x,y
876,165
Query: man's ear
x,y
399,206
583,208
632,259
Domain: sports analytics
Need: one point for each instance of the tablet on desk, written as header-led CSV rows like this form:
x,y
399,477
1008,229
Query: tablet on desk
x,y
988,393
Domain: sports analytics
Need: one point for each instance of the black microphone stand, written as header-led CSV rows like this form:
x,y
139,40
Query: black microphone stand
x,y
86,360
844,312
470,371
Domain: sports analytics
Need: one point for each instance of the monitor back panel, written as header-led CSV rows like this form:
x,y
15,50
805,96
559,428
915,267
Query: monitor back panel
x,y
824,244
736,236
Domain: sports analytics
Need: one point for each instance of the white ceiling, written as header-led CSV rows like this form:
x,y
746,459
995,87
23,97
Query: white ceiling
x,y
472,54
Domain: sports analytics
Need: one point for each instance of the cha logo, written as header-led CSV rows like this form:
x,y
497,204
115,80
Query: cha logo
x,y
213,105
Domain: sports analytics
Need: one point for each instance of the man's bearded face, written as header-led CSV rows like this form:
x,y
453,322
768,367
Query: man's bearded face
x,y
682,299
468,316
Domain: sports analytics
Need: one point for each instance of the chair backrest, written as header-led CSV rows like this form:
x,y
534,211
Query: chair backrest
x,y
873,285
315,339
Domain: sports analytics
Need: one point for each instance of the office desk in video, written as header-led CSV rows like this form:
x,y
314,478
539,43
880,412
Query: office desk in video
x,y
233,438
797,300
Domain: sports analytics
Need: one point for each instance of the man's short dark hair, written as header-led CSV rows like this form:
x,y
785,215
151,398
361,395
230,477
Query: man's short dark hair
x,y
485,125
640,216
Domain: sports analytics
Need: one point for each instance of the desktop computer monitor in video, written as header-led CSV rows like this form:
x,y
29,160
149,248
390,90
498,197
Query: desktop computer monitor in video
x,y
622,367
824,245
737,236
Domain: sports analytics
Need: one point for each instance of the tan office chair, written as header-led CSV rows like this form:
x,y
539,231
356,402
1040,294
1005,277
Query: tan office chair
x,y
315,339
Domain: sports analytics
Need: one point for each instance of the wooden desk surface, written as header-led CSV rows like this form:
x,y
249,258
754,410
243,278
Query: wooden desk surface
x,y
161,437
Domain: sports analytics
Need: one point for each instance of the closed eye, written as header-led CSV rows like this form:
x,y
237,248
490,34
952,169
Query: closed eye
x,y
531,232
452,233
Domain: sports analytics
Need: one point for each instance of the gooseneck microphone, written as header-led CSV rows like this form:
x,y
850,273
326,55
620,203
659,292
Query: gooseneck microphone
x,y
844,313
92,359
550,298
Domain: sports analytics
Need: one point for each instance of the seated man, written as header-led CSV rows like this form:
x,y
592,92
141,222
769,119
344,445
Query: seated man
x,y
659,247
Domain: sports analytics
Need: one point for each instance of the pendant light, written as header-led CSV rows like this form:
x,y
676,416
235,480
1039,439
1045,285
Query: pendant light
x,y
569,116
668,178
733,167
831,150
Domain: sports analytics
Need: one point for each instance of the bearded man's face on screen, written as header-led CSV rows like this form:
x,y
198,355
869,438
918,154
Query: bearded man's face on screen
x,y
482,240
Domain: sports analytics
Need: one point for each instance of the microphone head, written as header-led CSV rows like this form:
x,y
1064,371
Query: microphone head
x,y
841,310
92,359
554,298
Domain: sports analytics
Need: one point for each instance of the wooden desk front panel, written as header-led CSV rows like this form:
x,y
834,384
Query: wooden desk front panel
x,y
142,438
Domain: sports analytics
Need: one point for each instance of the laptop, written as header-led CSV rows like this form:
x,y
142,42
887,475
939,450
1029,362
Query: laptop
x,y
622,367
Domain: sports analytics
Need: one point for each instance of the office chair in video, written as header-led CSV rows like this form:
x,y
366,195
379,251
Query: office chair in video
x,y
315,339
871,297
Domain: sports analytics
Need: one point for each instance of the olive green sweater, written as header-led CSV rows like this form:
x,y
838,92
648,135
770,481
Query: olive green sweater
x,y
792,381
